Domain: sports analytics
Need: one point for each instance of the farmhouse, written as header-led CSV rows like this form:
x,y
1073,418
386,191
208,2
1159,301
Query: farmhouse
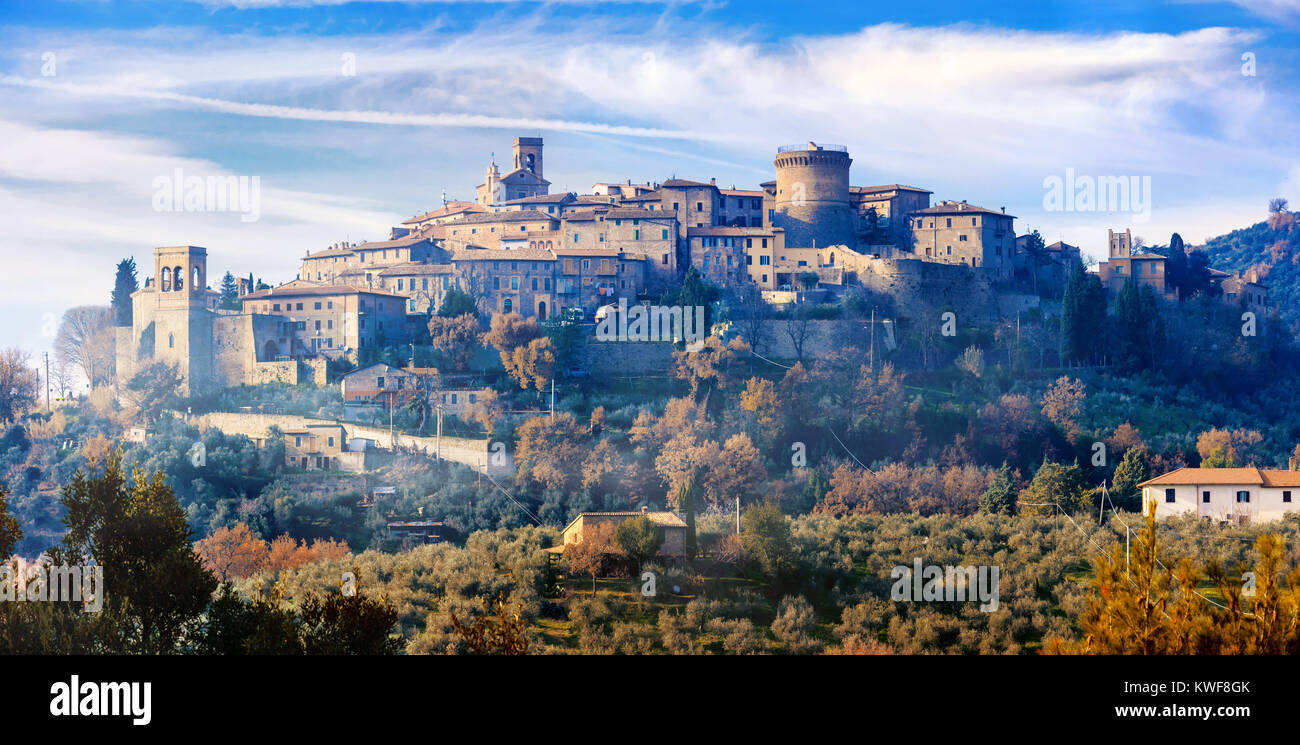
x,y
670,525
1241,495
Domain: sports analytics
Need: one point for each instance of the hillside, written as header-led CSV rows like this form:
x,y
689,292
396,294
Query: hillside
x,y
1272,248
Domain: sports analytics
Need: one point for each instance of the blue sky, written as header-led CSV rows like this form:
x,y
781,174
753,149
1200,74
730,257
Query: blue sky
x,y
973,101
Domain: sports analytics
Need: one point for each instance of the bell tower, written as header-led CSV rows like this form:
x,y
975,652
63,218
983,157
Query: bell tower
x,y
181,276
528,155
179,324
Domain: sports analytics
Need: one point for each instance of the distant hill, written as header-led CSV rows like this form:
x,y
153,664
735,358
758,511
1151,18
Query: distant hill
x,y
1272,249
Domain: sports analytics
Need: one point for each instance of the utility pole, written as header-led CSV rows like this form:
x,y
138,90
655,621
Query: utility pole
x,y
873,339
737,515
437,448
552,398
47,382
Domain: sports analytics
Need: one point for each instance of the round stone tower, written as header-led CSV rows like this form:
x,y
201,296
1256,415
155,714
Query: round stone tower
x,y
812,195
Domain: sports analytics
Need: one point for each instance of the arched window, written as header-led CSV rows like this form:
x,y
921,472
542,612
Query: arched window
x,y
196,280
178,283
166,281
507,305
171,341
541,310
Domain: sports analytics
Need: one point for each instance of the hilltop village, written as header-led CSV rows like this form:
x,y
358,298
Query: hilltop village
x,y
807,235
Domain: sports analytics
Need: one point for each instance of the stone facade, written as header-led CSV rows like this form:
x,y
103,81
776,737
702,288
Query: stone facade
x,y
960,233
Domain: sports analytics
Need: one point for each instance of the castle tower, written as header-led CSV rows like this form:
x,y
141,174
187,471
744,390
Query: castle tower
x,y
812,195
1121,244
528,155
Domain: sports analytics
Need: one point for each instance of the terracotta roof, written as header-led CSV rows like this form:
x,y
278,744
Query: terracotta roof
x,y
886,187
954,208
403,242
513,216
652,196
325,254
451,208
741,193
501,254
758,232
543,198
636,213
1226,477
315,290
416,268
662,519
681,183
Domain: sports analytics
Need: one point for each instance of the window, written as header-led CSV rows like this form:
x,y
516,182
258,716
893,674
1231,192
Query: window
x,y
1169,495
1243,496
299,306
1205,497
276,306
1286,496
496,283
950,222
171,341
399,284
663,234
764,260
961,237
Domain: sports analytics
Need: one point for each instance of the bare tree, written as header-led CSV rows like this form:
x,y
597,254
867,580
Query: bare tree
x,y
19,384
755,318
798,327
86,341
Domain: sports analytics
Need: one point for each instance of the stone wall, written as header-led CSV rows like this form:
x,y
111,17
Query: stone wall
x,y
622,357
915,284
469,452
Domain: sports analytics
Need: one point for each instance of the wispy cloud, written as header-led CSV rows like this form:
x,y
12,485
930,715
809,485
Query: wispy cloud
x,y
974,113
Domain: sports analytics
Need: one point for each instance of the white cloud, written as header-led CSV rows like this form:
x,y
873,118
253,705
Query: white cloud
x,y
971,112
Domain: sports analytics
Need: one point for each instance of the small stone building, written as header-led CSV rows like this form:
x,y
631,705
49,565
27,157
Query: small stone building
x,y
670,525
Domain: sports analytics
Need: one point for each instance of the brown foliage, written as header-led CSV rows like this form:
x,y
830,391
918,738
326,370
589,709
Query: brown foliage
x,y
232,553
456,338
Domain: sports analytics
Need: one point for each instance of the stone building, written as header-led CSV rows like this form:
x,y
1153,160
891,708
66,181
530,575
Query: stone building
x,y
1145,268
670,526
524,180
890,202
959,233
314,446
314,319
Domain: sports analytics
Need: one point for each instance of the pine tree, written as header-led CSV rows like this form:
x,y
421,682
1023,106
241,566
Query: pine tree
x,y
1176,266
124,284
1131,471
230,293
1083,316
1000,496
